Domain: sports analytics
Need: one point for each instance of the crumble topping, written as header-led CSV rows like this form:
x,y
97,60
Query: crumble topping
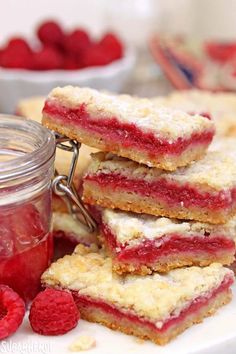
x,y
140,226
220,105
82,343
163,122
215,171
66,223
91,274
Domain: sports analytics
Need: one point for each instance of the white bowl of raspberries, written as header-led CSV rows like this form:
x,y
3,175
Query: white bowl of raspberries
x,y
57,58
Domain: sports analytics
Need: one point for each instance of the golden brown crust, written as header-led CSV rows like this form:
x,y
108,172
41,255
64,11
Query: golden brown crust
x,y
169,163
169,263
108,198
94,314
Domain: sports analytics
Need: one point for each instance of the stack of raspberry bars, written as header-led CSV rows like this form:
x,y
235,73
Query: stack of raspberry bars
x,y
164,203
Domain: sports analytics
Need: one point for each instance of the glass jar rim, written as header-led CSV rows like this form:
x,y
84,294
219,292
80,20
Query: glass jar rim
x,y
41,139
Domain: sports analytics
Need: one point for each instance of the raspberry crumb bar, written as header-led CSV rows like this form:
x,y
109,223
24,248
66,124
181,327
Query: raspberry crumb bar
x,y
204,191
175,301
130,127
141,243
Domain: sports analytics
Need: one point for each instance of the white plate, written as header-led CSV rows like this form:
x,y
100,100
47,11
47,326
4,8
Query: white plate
x,y
216,335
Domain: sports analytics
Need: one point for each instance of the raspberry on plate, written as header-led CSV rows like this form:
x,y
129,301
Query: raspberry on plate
x,y
53,312
50,33
12,311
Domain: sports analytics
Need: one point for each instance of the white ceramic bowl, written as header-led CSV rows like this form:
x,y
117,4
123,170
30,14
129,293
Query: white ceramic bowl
x,y
17,84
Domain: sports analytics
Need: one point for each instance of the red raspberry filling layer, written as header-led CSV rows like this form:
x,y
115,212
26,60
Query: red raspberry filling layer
x,y
193,307
149,251
127,135
170,193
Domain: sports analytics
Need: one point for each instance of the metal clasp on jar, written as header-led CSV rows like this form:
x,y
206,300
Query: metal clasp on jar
x,y
63,185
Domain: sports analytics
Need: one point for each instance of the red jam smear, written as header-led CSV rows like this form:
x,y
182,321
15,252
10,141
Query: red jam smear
x,y
127,135
170,193
26,248
149,251
194,307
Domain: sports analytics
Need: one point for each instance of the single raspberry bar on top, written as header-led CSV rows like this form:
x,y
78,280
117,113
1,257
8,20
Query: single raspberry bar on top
x,y
140,243
156,307
204,191
130,127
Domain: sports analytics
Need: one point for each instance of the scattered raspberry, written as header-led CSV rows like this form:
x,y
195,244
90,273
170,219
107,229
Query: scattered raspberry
x,y
111,44
12,311
53,312
95,56
50,33
77,41
48,58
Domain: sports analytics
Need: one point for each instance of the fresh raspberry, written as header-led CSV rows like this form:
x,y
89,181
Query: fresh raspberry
x,y
48,58
50,33
95,56
1,53
17,54
19,45
12,311
71,63
77,41
53,312
13,59
112,46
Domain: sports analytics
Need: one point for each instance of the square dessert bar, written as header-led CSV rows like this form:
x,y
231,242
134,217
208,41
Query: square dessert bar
x,y
141,244
156,307
204,191
130,127
220,105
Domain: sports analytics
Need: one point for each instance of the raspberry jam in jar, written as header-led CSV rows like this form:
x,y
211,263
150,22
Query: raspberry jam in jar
x,y
27,152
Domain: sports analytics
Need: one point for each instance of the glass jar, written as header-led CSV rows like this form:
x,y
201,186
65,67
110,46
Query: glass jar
x,y
27,152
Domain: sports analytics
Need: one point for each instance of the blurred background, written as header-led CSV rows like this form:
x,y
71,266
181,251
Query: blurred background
x,y
166,45
202,18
